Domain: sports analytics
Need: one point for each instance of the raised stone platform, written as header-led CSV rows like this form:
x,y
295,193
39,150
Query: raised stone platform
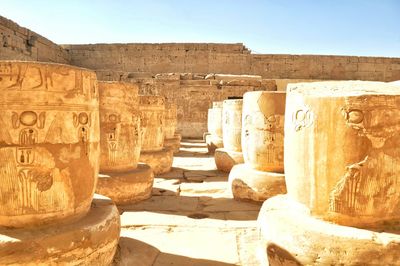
x,y
173,143
289,235
91,240
250,184
159,161
226,159
213,142
127,187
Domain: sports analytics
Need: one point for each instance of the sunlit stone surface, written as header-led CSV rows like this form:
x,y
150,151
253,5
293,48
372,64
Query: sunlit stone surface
x,y
172,140
152,109
214,123
49,142
261,176
341,165
231,153
49,160
120,177
91,240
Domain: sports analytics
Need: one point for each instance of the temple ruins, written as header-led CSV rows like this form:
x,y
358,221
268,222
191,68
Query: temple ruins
x,y
195,154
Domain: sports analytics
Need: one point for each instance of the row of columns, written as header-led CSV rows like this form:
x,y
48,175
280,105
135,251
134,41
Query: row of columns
x,y
333,146
64,135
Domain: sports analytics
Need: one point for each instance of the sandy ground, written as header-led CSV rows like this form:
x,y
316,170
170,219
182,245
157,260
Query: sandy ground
x,y
191,219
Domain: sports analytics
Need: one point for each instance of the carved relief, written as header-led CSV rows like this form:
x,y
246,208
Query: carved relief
x,y
232,124
119,124
302,118
369,187
152,109
45,175
263,126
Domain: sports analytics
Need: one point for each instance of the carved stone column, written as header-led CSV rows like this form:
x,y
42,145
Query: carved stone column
x,y
172,139
121,177
152,109
214,122
261,176
231,154
49,161
342,165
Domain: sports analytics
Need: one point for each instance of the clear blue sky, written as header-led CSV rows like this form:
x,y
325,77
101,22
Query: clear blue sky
x,y
341,27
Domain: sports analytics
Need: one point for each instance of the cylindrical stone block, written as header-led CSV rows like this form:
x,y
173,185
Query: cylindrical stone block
x,y
225,159
120,141
262,132
173,143
49,142
152,111
170,120
247,183
342,150
159,161
215,119
232,124
91,240
289,235
127,187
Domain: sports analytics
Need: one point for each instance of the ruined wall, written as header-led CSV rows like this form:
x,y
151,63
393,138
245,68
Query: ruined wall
x,y
230,59
192,93
18,43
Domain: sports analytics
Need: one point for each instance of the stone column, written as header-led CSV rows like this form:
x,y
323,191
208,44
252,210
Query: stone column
x,y
152,110
231,154
121,177
172,140
214,139
49,154
261,176
342,158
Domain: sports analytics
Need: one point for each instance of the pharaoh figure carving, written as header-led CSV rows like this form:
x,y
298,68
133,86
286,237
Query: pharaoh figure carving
x,y
49,147
152,114
345,153
119,124
262,137
369,186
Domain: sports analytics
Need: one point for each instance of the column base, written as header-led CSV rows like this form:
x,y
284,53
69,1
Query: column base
x,y
213,142
159,161
289,235
127,187
250,184
92,240
173,143
225,159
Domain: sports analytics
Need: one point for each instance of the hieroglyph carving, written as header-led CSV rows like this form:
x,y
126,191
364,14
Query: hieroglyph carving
x,y
48,153
370,186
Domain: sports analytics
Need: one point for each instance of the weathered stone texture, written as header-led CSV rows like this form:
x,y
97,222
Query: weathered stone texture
x,y
120,140
92,240
49,140
152,112
127,187
18,43
351,127
262,132
232,59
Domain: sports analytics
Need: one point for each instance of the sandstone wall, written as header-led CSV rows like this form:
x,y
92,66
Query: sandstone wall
x,y
230,58
18,43
192,93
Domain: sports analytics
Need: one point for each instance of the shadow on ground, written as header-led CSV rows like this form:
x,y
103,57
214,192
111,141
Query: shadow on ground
x,y
197,207
132,252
